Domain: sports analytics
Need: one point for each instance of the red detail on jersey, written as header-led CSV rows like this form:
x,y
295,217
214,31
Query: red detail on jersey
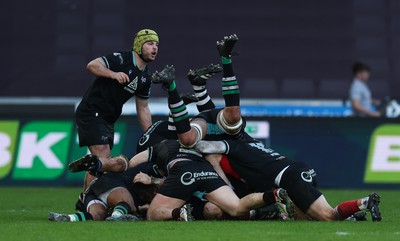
x,y
227,168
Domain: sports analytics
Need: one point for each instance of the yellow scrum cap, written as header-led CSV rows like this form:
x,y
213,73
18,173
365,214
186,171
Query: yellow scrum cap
x,y
143,36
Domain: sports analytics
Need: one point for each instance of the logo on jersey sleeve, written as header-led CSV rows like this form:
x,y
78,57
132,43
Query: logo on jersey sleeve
x,y
132,86
119,56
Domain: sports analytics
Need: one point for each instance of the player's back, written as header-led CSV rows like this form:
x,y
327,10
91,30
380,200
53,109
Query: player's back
x,y
155,134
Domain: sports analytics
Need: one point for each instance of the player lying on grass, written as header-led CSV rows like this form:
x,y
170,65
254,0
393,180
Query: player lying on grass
x,y
123,193
263,167
187,173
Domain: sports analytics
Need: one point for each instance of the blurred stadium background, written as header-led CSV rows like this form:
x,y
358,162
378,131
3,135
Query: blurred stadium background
x,y
294,70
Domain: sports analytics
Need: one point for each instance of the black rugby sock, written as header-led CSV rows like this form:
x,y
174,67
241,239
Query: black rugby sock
x,y
205,102
269,197
171,124
230,87
178,110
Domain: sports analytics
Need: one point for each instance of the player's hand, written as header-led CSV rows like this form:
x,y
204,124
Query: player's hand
x,y
142,178
121,77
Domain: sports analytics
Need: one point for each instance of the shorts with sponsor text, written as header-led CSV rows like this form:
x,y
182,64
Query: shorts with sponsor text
x,y
187,177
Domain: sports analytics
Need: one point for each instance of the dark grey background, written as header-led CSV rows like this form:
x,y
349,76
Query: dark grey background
x,y
288,48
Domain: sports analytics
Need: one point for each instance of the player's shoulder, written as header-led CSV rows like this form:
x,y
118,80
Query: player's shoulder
x,y
124,56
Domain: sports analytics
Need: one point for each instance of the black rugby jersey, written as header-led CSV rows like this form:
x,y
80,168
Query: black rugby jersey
x,y
166,151
155,134
256,164
105,97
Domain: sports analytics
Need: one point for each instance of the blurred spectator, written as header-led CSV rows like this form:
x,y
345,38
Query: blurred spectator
x,y
360,94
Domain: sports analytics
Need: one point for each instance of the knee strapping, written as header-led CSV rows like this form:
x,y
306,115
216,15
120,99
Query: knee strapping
x,y
199,133
230,129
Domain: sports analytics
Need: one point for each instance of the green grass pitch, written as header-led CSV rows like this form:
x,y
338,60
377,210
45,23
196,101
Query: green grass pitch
x,y
23,216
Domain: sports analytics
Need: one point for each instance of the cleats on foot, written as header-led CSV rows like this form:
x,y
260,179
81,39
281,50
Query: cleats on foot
x,y
56,217
165,76
86,163
186,213
373,206
200,76
189,98
268,212
284,203
226,45
359,216
123,218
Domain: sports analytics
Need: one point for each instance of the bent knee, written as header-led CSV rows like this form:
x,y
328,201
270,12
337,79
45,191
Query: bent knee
x,y
232,114
189,139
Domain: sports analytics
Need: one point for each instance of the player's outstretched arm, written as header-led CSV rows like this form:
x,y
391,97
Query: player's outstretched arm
x,y
138,159
211,147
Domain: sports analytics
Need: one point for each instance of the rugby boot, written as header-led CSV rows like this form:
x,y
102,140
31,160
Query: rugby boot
x,y
268,212
226,45
123,218
359,216
88,162
284,203
373,206
199,77
57,217
165,76
189,98
186,213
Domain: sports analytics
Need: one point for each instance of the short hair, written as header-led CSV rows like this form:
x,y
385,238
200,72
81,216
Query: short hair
x,y
359,66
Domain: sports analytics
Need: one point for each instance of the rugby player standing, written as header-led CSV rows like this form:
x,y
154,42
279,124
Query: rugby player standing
x,y
119,76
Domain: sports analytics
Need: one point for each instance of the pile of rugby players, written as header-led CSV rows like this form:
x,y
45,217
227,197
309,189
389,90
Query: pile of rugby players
x,y
205,167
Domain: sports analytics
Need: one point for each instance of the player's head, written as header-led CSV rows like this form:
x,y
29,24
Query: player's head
x,y
145,44
361,71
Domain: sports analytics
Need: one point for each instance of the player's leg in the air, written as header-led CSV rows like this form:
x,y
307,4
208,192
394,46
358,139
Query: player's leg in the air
x,y
229,119
188,134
